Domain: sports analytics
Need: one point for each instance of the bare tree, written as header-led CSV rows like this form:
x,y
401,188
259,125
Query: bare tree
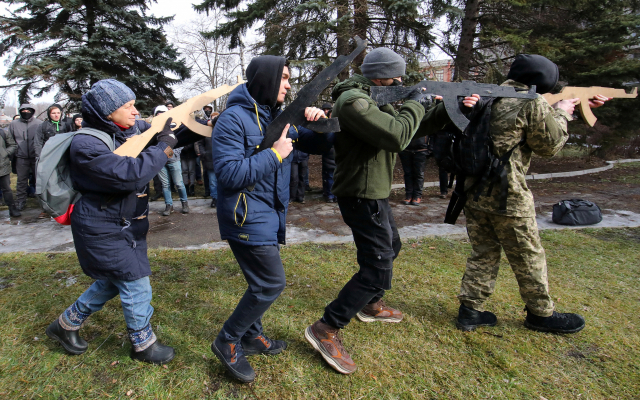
x,y
211,62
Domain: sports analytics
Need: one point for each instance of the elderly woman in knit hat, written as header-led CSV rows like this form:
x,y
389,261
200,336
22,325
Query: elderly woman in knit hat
x,y
109,223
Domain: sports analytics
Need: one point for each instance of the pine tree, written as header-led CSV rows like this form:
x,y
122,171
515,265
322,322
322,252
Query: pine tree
x,y
314,32
67,46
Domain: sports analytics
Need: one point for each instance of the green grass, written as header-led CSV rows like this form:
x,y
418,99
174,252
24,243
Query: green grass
x,y
594,272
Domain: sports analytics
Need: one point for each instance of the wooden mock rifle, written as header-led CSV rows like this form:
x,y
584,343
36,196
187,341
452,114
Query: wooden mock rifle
x,y
182,114
586,93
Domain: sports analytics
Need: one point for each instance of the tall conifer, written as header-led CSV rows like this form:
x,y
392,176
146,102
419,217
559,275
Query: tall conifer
x,y
68,45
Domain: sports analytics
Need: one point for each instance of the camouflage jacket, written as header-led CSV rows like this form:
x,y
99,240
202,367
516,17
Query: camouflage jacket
x,y
545,131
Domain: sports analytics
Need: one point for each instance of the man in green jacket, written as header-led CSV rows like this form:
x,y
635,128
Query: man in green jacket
x,y
366,151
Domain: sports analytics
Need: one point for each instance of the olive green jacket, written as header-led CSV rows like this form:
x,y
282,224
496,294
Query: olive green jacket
x,y
370,137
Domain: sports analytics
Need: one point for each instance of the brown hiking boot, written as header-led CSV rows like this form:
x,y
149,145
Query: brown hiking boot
x,y
406,201
328,342
416,201
379,311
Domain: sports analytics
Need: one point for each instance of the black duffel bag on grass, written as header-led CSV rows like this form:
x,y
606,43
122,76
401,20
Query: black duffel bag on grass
x,y
576,212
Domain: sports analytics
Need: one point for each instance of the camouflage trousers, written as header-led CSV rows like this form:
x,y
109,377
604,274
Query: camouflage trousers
x,y
488,234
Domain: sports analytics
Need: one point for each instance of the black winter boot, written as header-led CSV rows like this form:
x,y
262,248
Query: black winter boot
x,y
185,207
157,353
469,319
232,357
262,345
556,323
167,210
214,203
70,340
13,211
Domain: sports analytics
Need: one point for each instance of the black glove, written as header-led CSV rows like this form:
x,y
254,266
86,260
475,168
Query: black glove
x,y
422,97
166,135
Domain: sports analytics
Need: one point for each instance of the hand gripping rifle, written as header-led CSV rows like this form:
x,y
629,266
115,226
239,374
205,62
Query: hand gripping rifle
x,y
450,92
182,114
586,93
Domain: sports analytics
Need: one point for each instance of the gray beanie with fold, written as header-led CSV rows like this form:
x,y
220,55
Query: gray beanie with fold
x,y
383,63
108,95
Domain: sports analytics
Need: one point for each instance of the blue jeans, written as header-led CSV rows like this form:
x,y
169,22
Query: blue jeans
x,y
175,170
213,184
135,297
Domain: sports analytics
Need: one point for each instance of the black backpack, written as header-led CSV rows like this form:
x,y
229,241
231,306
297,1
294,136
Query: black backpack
x,y
470,154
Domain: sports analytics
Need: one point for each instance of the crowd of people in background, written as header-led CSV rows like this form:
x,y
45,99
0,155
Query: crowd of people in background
x,y
21,143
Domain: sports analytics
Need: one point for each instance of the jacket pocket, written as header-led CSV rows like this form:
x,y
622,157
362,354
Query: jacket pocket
x,y
252,143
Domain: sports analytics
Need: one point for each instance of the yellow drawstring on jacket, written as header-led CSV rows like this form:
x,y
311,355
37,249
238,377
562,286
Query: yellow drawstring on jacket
x,y
257,117
244,199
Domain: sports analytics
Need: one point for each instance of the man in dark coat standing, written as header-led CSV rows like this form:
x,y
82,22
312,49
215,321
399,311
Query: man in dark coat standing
x,y
23,131
109,223
253,220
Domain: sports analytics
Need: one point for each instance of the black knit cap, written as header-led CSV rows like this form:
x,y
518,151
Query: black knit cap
x,y
264,75
327,106
532,69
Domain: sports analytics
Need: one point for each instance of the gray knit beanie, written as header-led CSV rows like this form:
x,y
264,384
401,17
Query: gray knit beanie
x,y
108,95
383,63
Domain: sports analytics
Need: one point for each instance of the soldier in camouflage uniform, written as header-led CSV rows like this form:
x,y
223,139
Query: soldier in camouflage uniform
x,y
544,130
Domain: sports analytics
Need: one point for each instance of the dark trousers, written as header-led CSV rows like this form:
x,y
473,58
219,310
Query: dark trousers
x,y
296,184
263,270
188,171
157,185
413,165
5,185
198,170
328,167
24,167
376,237
444,180
205,177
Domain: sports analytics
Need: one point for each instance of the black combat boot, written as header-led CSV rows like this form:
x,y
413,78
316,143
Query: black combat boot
x,y
469,319
185,207
556,323
232,357
70,340
214,203
13,211
157,353
262,345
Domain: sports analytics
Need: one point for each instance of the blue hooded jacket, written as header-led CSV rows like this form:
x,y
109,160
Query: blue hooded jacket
x,y
254,217
109,223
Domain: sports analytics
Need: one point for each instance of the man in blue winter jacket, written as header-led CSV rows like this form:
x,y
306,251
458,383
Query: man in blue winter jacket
x,y
253,221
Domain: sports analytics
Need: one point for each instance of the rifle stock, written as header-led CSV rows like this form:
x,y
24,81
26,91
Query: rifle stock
x,y
586,93
182,114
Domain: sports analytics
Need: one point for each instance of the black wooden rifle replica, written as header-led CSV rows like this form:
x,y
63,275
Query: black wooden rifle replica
x,y
294,113
451,93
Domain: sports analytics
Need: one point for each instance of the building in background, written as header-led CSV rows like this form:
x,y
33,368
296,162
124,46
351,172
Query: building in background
x,y
438,70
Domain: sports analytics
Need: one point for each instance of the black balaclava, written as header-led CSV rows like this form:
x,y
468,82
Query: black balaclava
x,y
207,111
532,69
264,75
26,113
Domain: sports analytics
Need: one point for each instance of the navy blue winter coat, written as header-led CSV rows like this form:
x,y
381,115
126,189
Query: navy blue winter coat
x,y
254,217
109,223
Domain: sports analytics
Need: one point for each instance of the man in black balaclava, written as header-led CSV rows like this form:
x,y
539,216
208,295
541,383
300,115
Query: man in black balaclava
x,y
252,201
544,130
24,132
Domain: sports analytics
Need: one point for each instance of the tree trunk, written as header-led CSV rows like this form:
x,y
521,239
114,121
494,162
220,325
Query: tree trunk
x,y
467,36
360,27
343,34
